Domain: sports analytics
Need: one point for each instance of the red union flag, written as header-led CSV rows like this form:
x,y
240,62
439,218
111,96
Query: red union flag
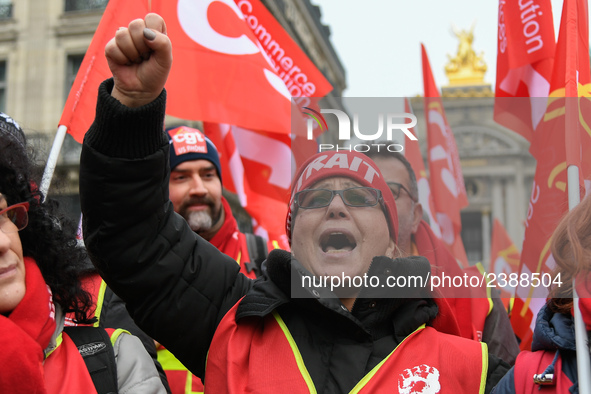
x,y
548,203
79,110
525,50
220,73
447,181
573,73
560,139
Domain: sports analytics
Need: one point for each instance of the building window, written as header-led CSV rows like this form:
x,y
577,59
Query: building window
x,y
3,85
5,9
472,236
73,65
85,5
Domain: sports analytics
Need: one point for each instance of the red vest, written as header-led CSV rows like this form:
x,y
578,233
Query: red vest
x,y
426,358
65,370
528,364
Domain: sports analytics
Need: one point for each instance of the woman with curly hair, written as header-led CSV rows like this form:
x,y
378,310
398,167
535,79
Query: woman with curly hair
x,y
39,285
551,366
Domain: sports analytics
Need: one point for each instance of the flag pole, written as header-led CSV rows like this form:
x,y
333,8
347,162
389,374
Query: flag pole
x,y
583,358
58,142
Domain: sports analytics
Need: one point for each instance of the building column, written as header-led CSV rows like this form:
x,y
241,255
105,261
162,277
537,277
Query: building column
x,y
498,209
486,238
521,205
512,218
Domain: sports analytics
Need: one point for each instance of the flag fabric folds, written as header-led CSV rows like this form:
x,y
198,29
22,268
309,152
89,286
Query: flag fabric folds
x,y
559,140
412,152
221,71
525,51
257,167
447,181
236,69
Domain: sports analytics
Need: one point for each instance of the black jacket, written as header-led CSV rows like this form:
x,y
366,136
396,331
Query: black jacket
x,y
178,287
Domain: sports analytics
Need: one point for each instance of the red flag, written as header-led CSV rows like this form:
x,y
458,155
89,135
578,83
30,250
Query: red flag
x,y
447,181
549,201
412,152
575,74
220,72
504,261
525,50
291,64
79,110
257,167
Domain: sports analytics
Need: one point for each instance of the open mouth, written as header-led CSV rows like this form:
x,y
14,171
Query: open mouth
x,y
337,242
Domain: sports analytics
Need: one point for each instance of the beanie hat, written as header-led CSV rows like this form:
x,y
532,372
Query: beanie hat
x,y
188,143
354,165
11,130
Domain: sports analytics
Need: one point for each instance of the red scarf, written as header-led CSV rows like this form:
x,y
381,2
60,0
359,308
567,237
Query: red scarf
x,y
227,239
24,334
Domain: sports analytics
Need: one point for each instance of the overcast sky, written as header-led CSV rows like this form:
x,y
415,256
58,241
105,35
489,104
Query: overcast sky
x,y
378,41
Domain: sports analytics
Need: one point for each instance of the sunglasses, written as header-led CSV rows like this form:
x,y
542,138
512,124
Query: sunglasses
x,y
396,187
353,197
14,218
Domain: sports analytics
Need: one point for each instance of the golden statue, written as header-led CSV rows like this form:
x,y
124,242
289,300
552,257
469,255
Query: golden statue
x,y
466,68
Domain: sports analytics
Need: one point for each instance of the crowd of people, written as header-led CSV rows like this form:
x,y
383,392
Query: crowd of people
x,y
170,266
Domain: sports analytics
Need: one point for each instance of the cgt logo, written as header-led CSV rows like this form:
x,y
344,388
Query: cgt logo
x,y
386,123
186,140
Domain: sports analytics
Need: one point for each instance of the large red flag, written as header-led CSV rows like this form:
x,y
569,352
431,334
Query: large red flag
x,y
525,50
220,71
447,181
549,200
258,165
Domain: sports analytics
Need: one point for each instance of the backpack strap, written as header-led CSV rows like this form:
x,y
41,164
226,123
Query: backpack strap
x,y
95,347
257,252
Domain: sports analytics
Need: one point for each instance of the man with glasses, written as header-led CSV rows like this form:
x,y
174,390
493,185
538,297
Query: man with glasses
x,y
483,319
402,181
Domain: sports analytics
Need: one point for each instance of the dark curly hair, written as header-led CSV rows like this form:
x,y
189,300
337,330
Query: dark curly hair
x,y
49,237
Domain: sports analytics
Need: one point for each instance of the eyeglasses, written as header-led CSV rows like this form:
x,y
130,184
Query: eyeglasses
x,y
353,197
14,218
396,187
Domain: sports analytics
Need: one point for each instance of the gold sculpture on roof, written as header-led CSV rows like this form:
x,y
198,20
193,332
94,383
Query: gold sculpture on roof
x,y
466,67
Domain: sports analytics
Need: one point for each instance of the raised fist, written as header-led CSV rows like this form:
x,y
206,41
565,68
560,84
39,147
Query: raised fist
x,y
140,57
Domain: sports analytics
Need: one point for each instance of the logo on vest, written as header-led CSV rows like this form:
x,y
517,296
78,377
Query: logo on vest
x,y
421,379
91,348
